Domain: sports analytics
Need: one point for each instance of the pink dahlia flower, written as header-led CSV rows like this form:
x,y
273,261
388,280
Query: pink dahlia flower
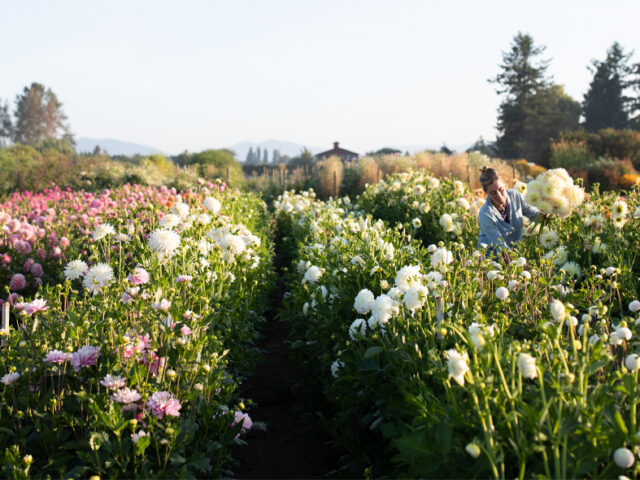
x,y
36,270
113,382
9,378
18,282
35,306
56,356
139,276
241,417
164,403
85,357
125,395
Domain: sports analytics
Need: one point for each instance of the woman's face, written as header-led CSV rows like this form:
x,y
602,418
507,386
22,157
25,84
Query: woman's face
x,y
497,193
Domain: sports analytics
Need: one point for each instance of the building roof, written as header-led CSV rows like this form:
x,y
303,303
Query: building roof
x,y
336,150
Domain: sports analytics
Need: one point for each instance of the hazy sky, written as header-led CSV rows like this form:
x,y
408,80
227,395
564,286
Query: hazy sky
x,y
191,75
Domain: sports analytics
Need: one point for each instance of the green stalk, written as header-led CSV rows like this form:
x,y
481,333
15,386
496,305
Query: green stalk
x,y
502,379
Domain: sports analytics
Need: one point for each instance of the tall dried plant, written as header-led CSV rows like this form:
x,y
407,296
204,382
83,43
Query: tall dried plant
x,y
330,172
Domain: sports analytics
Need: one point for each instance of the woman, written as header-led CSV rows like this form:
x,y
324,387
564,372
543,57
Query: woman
x,y
500,218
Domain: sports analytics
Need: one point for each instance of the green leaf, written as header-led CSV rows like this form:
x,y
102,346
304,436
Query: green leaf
x,y
373,352
142,444
618,421
443,436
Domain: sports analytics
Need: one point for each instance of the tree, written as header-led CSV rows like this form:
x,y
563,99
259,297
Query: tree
x,y
306,158
488,149
38,115
446,150
385,151
218,164
552,112
6,125
605,104
533,110
251,157
276,158
522,77
634,110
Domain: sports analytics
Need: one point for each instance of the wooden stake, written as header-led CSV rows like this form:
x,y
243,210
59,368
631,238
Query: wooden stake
x,y
439,315
5,323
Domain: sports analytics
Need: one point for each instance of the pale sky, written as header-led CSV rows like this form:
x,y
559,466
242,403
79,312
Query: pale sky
x,y
192,75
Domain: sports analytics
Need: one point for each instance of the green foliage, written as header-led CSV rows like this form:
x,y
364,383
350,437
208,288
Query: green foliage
x,y
25,168
221,164
608,143
385,151
6,124
571,154
488,149
533,110
305,159
38,115
605,104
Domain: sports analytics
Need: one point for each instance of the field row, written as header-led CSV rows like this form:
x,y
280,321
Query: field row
x,y
127,361
436,359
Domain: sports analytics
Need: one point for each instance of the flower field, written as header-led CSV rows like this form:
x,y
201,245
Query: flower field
x,y
135,313
127,360
436,360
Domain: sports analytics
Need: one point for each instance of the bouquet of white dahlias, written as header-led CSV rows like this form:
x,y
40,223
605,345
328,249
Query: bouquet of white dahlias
x,y
553,192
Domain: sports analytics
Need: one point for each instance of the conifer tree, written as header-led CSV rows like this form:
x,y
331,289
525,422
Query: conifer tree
x,y
605,104
533,109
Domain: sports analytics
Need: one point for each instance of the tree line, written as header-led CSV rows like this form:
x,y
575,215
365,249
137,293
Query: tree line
x,y
535,111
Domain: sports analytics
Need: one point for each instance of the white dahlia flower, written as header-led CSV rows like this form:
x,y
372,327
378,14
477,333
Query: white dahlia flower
x,y
75,269
98,277
164,242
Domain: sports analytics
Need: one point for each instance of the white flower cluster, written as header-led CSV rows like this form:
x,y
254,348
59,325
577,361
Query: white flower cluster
x,y
234,240
553,192
96,278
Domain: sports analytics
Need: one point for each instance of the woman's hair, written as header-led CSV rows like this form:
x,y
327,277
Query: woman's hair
x,y
487,177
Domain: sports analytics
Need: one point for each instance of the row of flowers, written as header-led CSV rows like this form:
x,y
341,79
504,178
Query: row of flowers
x,y
439,360
129,365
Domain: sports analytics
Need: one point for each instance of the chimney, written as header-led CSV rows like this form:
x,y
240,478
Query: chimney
x,y
335,145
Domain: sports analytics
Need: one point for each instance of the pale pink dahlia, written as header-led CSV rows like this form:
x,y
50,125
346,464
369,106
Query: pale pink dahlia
x,y
241,417
37,305
85,357
139,276
56,356
9,378
112,382
164,403
125,395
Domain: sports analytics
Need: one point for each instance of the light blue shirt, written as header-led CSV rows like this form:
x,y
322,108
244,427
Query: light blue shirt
x,y
494,231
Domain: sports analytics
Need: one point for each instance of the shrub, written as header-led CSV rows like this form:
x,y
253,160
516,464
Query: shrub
x,y
609,143
571,154
218,164
329,175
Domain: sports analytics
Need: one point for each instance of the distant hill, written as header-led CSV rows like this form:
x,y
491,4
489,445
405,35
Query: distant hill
x,y
291,149
113,146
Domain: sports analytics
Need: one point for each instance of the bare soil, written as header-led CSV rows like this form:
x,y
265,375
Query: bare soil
x,y
292,444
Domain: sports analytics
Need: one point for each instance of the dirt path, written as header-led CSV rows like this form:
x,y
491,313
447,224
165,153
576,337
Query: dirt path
x,y
293,444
